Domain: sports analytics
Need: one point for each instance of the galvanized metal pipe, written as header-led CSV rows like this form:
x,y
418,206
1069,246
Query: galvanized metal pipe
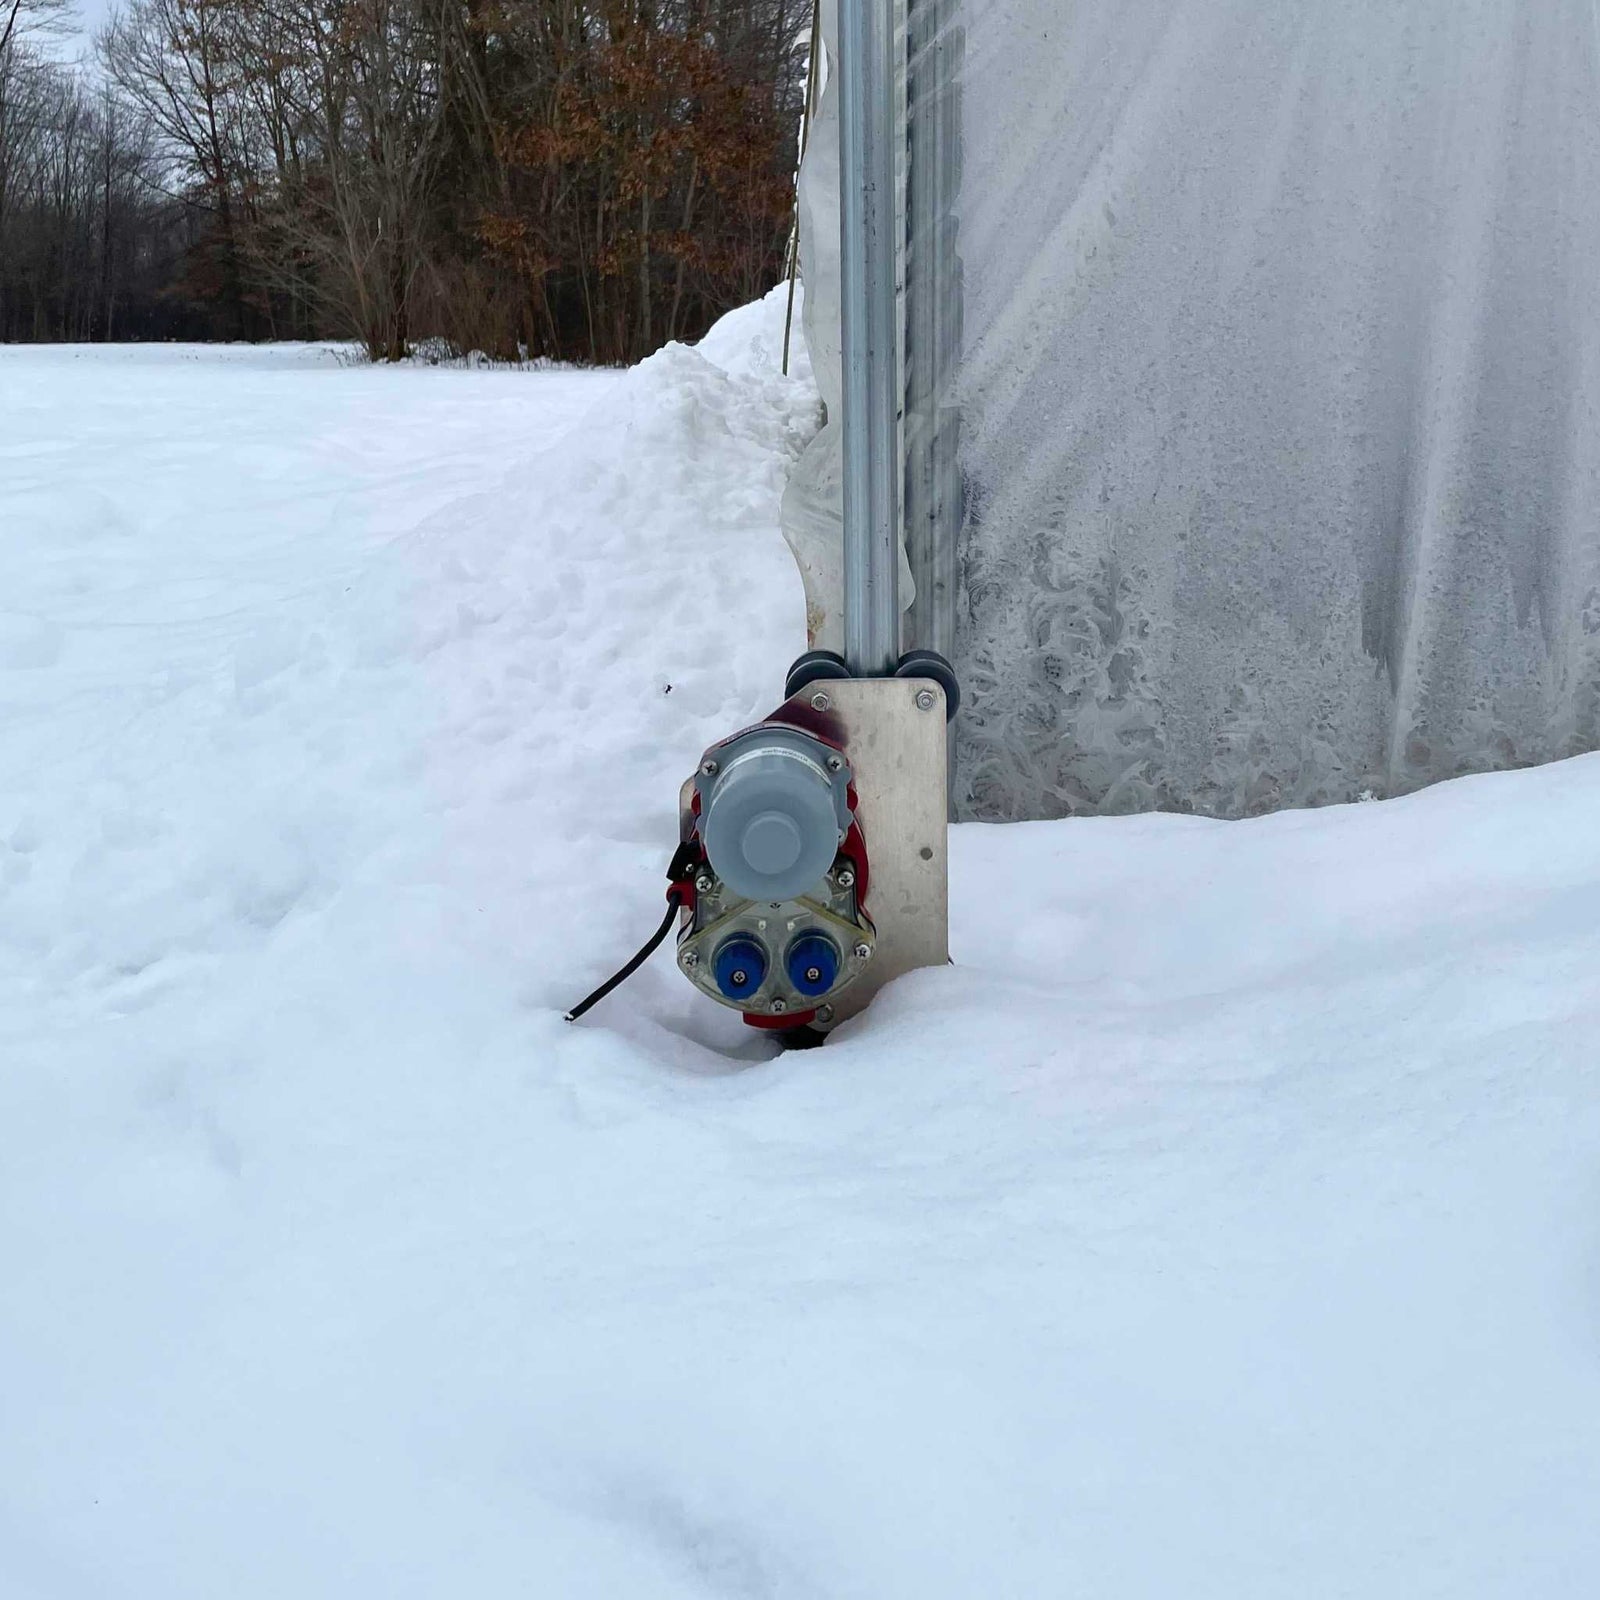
x,y
870,336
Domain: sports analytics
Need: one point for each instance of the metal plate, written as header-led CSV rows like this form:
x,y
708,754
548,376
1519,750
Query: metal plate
x,y
897,748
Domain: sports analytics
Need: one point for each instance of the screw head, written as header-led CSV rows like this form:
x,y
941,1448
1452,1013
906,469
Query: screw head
x,y
710,767
844,877
824,1013
926,699
690,959
704,884
863,951
820,701
779,1006
835,764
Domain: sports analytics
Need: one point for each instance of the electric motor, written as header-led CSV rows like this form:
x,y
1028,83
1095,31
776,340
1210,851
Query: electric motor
x,y
775,921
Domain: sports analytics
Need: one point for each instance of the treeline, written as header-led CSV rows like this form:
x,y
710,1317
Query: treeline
x,y
88,244
555,178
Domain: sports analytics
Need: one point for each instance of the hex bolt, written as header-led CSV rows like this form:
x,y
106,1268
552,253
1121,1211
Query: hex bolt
x,y
863,951
779,1006
824,1013
820,701
709,767
690,958
926,700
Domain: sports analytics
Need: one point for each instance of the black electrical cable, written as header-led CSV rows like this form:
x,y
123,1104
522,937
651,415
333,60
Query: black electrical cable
x,y
674,900
680,873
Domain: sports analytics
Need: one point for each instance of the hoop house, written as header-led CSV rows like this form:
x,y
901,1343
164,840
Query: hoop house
x,y
1251,357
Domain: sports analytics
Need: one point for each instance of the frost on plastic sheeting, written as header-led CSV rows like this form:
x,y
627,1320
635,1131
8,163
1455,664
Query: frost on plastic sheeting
x,y
1280,378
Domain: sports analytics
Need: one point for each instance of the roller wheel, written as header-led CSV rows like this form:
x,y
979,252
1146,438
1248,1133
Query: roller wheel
x,y
815,666
930,664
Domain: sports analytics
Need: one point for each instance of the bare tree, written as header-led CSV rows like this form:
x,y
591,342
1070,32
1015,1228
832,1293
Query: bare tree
x,y
19,18
367,102
20,81
89,243
179,63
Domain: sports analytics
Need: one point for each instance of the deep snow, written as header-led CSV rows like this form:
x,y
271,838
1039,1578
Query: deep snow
x,y
1225,1222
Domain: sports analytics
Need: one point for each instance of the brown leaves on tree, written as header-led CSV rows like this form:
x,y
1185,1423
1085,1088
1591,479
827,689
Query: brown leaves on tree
x,y
649,188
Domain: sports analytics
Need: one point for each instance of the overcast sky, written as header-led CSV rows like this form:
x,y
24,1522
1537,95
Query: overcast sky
x,y
89,15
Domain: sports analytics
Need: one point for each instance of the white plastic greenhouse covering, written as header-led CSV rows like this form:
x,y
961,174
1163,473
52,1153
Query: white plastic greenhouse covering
x,y
1271,415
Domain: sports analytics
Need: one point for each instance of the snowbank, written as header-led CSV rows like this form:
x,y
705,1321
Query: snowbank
x,y
1223,1222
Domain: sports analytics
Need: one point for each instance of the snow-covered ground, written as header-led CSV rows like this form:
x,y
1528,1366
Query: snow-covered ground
x,y
1225,1222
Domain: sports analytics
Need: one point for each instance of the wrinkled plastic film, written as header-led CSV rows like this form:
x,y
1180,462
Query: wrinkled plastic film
x,y
1278,382
1279,399
932,321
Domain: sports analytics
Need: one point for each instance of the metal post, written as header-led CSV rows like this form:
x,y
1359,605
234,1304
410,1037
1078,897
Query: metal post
x,y
933,489
870,336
